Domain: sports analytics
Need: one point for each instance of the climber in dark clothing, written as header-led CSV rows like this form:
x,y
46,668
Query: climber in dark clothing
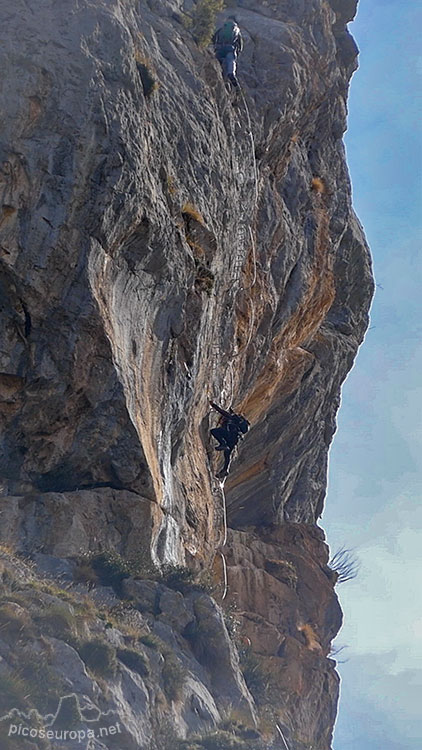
x,y
228,434
228,42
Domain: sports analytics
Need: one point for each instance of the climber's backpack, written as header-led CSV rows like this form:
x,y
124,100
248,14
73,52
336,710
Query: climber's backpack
x,y
228,33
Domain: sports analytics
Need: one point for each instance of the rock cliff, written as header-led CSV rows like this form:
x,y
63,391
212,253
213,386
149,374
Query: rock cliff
x,y
163,242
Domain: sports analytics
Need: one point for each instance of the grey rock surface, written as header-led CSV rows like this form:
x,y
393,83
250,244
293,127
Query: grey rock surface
x,y
105,313
162,244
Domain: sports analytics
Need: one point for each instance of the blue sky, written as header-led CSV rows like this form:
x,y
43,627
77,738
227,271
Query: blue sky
x,y
374,497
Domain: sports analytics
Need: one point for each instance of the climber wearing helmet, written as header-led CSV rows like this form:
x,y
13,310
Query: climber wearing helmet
x,y
228,42
228,434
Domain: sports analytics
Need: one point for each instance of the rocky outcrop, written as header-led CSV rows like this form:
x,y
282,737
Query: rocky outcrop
x,y
121,666
162,244
281,588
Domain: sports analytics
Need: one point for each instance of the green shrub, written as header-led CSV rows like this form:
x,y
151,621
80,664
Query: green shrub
x,y
99,657
186,21
134,660
152,641
183,579
111,568
178,577
204,17
254,674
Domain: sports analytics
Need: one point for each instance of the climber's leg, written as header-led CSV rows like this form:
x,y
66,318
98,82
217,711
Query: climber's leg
x,y
227,459
230,68
220,434
221,54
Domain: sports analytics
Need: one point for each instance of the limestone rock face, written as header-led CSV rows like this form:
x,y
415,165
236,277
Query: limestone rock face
x,y
281,588
163,243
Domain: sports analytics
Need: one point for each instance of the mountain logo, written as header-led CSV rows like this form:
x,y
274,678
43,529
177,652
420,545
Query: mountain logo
x,y
73,720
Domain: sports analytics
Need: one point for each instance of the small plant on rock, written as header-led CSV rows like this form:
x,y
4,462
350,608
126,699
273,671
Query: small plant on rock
x,y
148,78
134,660
310,636
177,577
283,570
345,564
171,185
183,579
190,212
204,16
204,280
197,249
105,568
317,185
99,656
254,673
151,641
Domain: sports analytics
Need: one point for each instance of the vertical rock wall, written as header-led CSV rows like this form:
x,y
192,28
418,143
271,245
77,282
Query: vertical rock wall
x,y
162,244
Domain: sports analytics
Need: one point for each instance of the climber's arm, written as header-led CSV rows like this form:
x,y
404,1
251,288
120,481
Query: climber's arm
x,y
220,410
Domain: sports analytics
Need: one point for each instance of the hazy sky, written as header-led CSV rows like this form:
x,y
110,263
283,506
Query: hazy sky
x,y
374,497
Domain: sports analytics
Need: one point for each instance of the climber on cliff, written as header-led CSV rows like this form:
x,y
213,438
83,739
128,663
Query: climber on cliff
x,y
232,428
228,42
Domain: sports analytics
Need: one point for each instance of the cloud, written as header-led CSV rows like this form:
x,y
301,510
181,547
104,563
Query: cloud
x,y
373,502
380,709
381,690
382,605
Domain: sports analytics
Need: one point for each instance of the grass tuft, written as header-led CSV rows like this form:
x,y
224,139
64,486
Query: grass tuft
x,y
149,80
317,185
189,211
134,660
99,657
